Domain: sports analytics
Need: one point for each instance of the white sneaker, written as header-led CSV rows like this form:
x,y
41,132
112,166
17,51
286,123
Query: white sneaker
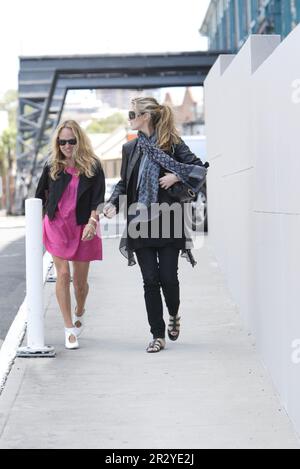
x,y
70,333
78,322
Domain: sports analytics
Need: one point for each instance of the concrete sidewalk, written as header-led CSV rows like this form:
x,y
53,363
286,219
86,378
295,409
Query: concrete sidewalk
x,y
208,390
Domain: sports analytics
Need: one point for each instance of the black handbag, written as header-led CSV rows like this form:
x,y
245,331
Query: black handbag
x,y
182,193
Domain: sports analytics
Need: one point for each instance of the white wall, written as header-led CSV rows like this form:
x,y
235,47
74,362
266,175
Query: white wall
x,y
252,107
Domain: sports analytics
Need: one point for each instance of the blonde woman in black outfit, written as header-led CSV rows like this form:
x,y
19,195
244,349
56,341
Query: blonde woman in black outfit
x,y
151,164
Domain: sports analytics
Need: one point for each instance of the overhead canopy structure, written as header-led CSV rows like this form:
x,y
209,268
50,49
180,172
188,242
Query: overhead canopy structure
x,y
44,82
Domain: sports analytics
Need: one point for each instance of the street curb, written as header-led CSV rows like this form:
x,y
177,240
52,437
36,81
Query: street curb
x,y
17,331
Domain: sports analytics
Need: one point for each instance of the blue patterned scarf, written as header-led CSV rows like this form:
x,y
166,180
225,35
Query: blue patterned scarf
x,y
154,158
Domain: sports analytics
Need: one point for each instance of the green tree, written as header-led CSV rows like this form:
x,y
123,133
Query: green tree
x,y
107,124
9,103
8,152
8,140
2,159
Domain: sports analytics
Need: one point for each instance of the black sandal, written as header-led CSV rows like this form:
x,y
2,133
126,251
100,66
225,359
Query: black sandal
x,y
174,327
156,346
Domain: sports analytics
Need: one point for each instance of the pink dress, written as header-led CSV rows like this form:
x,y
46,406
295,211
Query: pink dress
x,y
62,235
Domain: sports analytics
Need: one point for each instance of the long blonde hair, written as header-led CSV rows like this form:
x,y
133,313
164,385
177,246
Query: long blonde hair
x,y
85,159
162,119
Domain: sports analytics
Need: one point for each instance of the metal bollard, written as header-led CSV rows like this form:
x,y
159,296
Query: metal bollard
x,y
34,283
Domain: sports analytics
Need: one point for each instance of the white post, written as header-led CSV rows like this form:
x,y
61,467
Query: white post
x,y
34,282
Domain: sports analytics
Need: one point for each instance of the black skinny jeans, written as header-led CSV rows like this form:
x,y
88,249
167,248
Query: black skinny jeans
x,y
159,267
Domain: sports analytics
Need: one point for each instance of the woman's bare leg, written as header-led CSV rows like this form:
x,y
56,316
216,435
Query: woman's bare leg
x,y
63,289
81,287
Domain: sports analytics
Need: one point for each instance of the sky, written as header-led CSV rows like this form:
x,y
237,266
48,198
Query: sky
x,y
62,27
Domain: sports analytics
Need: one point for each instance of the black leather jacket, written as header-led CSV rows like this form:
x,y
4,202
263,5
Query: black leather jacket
x,y
90,193
181,153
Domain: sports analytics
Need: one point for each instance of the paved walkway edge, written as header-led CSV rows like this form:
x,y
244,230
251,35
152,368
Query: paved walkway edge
x,y
17,331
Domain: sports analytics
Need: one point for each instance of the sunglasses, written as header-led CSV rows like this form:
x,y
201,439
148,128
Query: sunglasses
x,y
71,141
133,115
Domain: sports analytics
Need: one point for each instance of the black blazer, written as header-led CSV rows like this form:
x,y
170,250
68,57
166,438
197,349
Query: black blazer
x,y
181,153
89,195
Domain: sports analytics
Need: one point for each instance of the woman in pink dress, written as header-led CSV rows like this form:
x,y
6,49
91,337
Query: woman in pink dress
x,y
72,186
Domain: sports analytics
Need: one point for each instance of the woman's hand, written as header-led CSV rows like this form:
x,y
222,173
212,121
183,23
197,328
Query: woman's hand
x,y
168,180
109,210
88,232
